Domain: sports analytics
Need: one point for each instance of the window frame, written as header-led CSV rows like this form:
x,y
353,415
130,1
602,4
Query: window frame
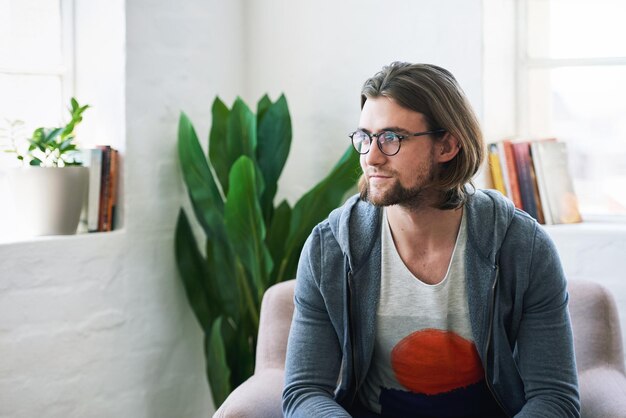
x,y
525,63
65,72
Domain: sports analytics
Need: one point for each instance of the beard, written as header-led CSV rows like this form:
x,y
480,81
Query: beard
x,y
396,194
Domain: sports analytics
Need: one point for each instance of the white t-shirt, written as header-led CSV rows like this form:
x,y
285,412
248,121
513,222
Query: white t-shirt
x,y
425,362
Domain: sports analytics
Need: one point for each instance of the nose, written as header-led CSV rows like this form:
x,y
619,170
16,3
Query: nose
x,y
375,156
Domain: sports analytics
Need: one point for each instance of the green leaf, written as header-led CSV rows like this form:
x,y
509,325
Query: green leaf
x,y
67,145
240,353
274,142
72,163
38,134
218,142
244,223
218,371
194,273
203,192
277,236
36,162
51,135
241,134
221,266
261,108
315,205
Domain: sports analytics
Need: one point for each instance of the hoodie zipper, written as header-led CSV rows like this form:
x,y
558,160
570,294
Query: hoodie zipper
x,y
352,332
488,341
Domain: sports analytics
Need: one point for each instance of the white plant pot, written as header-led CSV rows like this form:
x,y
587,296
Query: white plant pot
x,y
48,200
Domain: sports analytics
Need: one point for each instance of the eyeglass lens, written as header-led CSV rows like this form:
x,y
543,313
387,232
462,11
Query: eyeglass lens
x,y
388,142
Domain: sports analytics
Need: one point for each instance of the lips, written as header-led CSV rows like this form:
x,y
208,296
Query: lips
x,y
378,176
375,173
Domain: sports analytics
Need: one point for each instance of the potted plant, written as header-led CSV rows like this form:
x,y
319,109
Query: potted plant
x,y
48,190
249,244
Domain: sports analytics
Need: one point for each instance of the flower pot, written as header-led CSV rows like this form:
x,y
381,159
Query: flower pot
x,y
48,200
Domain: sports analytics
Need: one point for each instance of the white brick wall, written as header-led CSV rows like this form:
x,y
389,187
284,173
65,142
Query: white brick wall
x,y
98,325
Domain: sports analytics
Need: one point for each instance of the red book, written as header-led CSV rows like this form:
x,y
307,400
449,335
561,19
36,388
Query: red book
x,y
511,166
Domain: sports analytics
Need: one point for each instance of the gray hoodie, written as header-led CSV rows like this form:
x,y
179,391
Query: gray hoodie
x,y
517,301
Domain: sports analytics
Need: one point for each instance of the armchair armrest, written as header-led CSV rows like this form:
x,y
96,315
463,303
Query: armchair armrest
x,y
260,396
602,392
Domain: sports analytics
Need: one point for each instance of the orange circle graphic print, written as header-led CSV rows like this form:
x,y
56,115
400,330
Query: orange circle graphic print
x,y
433,361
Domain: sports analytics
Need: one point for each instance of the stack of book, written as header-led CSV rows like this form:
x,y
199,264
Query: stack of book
x,y
535,176
99,211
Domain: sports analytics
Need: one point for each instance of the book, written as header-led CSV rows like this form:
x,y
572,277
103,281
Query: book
x,y
105,187
504,169
496,169
521,151
558,186
541,182
533,176
92,159
515,196
112,202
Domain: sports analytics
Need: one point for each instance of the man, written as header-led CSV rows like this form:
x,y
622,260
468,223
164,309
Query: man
x,y
424,297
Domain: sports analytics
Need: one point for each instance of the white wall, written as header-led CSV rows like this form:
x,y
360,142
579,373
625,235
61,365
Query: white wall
x,y
98,325
320,53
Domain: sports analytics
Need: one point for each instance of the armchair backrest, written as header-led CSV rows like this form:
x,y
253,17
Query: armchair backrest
x,y
274,325
595,323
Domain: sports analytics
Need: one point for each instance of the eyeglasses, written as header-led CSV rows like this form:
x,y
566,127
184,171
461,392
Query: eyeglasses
x,y
388,142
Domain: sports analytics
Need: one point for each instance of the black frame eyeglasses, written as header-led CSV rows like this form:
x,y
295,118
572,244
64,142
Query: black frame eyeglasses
x,y
388,141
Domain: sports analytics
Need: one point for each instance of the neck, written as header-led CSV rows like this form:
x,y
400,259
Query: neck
x,y
426,228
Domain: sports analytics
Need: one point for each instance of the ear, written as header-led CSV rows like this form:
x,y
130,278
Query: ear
x,y
447,148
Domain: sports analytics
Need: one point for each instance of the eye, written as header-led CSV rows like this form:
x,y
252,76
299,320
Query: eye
x,y
362,137
388,137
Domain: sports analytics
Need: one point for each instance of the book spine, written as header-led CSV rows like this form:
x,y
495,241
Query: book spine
x,y
505,169
95,177
112,189
522,162
533,178
496,169
535,153
104,187
516,196
559,184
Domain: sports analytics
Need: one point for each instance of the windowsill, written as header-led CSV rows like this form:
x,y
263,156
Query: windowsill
x,y
17,240
598,225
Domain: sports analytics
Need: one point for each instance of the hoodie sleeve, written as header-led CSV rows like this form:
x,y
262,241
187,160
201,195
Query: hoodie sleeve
x,y
314,354
545,342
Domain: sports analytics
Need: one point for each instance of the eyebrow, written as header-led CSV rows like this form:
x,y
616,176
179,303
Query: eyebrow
x,y
395,129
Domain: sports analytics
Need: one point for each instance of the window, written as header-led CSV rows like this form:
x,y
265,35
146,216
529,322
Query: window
x,y
36,71
571,85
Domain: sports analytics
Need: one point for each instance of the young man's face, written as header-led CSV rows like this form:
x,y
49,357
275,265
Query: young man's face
x,y
402,178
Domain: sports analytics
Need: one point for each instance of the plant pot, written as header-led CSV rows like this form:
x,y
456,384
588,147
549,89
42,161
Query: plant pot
x,y
48,200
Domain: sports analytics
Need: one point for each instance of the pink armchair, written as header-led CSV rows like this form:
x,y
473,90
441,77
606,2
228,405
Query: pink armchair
x,y
597,339
599,350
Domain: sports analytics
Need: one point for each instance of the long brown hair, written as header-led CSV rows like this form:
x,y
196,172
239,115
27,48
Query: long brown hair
x,y
434,92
